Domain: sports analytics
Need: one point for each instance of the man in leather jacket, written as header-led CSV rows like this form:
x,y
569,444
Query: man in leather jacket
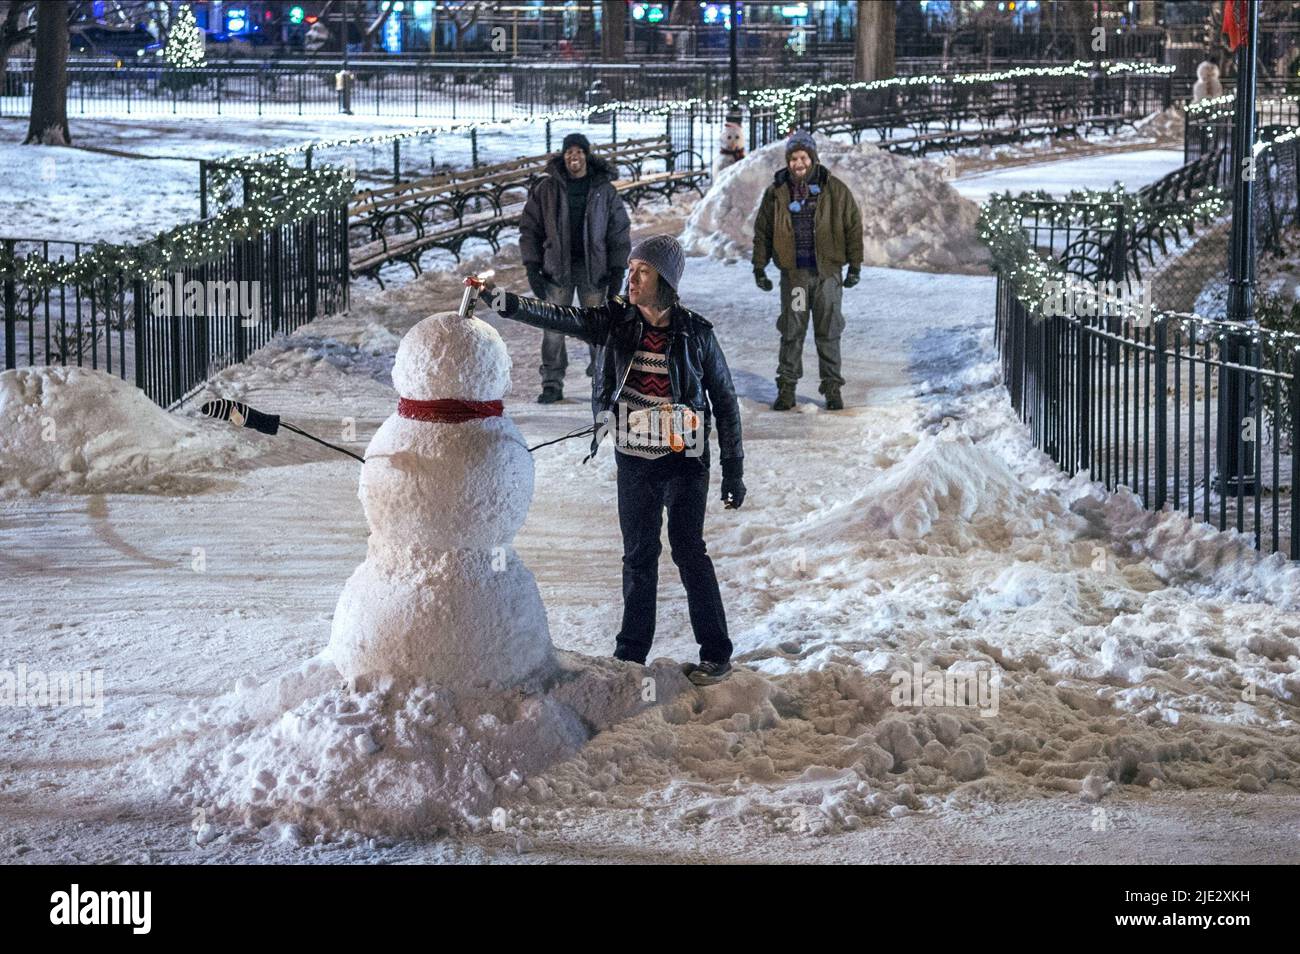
x,y
659,363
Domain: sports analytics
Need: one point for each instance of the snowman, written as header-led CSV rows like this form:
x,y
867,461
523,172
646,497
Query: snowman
x,y
732,147
442,597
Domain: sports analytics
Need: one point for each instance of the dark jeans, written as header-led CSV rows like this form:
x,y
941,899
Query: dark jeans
x,y
646,488
555,356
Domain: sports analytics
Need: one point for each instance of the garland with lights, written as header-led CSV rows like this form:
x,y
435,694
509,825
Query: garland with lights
x,y
279,195
1034,277
785,101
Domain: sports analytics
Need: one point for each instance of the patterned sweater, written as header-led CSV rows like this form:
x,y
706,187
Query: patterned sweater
x,y
647,386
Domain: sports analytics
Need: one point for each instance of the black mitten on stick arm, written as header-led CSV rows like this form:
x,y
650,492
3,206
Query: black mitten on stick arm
x,y
241,415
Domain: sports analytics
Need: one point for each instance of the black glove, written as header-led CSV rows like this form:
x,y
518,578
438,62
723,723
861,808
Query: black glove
x,y
733,488
761,279
852,276
537,281
614,282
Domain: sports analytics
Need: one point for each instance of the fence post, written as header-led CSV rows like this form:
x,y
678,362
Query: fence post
x,y
473,145
1295,453
277,277
1162,411
548,135
1083,397
313,277
203,188
11,307
138,313
241,276
397,162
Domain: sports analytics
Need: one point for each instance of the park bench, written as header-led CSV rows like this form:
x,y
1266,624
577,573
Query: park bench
x,y
400,223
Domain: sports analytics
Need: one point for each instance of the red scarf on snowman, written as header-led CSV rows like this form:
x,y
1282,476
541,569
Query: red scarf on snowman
x,y
447,410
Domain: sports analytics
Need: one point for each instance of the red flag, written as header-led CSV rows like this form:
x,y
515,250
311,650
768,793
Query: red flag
x,y
1234,22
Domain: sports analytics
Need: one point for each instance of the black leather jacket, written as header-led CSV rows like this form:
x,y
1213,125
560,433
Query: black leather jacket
x,y
697,369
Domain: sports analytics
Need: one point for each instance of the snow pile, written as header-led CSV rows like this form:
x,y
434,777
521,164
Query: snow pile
x,y
911,216
307,754
947,493
82,431
821,751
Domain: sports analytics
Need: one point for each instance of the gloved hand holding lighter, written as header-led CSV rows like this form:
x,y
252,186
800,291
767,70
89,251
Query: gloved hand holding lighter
x,y
733,486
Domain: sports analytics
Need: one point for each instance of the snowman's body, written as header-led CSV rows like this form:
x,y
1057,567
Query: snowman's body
x,y
442,596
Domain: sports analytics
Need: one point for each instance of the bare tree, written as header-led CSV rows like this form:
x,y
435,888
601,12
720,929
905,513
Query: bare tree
x,y
17,26
464,16
873,57
613,26
49,117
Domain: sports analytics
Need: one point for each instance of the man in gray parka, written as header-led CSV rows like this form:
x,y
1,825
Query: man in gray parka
x,y
574,237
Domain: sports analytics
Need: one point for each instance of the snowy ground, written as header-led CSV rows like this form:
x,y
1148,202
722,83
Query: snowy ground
x,y
1134,169
1146,668
916,527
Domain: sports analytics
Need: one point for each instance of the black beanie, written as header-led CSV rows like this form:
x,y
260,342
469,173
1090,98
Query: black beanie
x,y
576,139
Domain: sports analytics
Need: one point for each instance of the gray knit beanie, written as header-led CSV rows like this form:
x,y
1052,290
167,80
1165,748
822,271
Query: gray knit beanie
x,y
801,139
664,255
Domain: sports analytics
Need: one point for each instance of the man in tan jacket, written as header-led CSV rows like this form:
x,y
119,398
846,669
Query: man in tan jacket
x,y
809,224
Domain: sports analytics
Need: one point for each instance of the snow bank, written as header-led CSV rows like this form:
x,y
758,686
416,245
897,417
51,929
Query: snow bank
x,y
911,216
81,431
312,755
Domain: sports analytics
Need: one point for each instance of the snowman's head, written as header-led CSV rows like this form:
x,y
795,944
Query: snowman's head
x,y
446,356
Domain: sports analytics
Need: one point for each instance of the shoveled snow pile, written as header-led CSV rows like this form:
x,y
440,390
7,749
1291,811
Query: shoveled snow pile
x,y
911,216
309,754
79,430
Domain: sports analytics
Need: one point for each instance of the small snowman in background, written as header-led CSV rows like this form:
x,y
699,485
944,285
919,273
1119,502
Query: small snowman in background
x,y
1207,85
732,148
442,596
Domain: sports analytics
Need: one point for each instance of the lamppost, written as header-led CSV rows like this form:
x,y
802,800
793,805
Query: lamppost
x,y
733,17
731,148
1236,457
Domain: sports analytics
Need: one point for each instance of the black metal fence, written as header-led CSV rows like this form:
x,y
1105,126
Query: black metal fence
x,y
1196,415
456,90
1007,107
168,334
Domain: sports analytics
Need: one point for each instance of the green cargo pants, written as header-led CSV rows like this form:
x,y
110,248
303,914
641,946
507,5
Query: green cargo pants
x,y
804,293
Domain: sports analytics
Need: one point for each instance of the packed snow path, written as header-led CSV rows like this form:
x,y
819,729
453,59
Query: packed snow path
x,y
915,526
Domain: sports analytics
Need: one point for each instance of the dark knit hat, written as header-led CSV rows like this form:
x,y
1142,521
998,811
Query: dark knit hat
x,y
664,255
576,139
801,139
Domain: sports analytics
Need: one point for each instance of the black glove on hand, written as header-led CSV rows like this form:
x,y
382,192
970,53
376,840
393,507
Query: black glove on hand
x,y
852,276
614,282
761,279
733,488
537,281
